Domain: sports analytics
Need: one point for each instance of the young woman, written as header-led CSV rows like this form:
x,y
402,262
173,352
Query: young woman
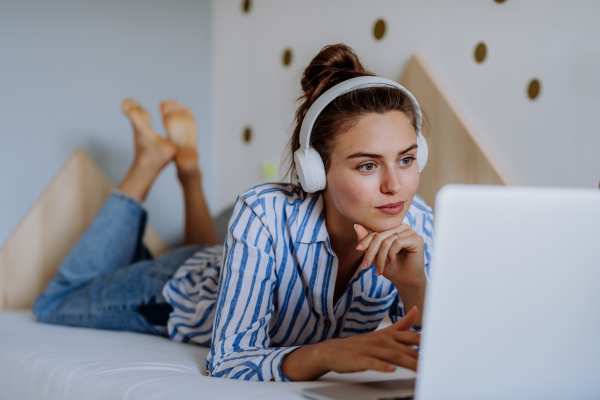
x,y
307,272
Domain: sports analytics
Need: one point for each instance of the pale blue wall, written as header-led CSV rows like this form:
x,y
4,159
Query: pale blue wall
x,y
65,67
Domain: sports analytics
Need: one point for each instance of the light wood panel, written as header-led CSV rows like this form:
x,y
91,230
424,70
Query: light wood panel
x,y
33,253
455,153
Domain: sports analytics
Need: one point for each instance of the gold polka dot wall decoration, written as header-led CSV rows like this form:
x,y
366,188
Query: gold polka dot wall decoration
x,y
500,1
379,29
287,57
247,135
480,52
246,6
534,88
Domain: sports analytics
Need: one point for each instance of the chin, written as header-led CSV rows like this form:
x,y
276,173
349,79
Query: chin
x,y
384,223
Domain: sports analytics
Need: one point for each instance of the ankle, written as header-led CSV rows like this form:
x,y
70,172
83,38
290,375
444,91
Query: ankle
x,y
186,175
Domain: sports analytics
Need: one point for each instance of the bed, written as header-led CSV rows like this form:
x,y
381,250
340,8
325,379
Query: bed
x,y
43,361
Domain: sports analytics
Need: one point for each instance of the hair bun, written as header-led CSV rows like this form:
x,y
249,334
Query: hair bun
x,y
334,64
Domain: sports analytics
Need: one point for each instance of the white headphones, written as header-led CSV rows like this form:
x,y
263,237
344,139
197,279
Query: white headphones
x,y
309,164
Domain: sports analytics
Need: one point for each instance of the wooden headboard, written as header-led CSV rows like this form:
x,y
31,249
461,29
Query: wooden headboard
x,y
32,254
455,153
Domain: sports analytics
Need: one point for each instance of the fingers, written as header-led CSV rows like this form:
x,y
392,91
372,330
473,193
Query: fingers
x,y
407,321
361,232
385,256
375,364
373,242
401,341
408,241
395,357
406,338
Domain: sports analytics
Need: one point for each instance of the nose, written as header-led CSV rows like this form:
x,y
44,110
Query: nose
x,y
391,182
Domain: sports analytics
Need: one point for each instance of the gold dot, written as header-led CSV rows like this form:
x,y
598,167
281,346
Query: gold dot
x,y
246,6
379,29
247,136
499,1
480,52
287,57
533,91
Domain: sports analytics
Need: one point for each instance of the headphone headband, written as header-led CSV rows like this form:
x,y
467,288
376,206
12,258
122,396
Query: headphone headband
x,y
309,165
344,87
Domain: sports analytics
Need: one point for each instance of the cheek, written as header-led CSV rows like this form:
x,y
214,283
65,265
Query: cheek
x,y
346,191
411,183
353,197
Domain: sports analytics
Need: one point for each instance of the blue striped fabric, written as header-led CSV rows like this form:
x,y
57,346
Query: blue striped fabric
x,y
276,286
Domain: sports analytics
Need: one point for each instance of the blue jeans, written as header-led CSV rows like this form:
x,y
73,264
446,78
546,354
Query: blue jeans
x,y
109,280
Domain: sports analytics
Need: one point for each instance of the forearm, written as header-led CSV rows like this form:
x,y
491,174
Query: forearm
x,y
305,363
199,228
413,295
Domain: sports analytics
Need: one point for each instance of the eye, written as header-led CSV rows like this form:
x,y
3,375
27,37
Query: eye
x,y
368,167
406,161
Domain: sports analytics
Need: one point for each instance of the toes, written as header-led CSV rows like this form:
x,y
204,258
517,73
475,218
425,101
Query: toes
x,y
187,111
172,108
128,104
169,106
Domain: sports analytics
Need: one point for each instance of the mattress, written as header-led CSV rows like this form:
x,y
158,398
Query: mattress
x,y
42,361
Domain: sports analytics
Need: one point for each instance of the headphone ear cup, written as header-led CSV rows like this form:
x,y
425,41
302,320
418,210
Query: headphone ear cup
x,y
318,169
310,170
422,152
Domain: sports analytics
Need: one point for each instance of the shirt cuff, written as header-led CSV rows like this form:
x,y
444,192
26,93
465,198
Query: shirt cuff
x,y
278,375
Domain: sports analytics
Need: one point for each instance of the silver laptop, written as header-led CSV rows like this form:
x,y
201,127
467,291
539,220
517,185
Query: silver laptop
x,y
513,308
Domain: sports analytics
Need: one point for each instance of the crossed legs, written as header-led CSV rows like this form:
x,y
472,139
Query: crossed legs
x,y
109,279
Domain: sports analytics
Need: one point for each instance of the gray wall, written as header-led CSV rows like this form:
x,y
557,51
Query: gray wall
x,y
65,66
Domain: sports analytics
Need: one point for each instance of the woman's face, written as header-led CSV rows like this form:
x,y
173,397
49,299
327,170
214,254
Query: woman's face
x,y
373,174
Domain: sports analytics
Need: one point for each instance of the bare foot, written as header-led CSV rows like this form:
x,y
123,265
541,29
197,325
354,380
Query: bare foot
x,y
151,150
181,128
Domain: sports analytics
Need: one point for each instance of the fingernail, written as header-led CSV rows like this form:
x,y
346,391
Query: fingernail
x,y
390,368
359,247
363,264
354,225
377,272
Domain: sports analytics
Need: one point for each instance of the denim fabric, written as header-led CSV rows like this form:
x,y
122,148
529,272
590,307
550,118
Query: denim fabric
x,y
109,280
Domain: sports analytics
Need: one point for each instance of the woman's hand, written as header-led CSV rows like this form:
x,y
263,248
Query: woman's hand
x,y
398,254
380,350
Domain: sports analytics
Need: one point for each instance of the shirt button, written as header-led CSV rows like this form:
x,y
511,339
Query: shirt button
x,y
327,323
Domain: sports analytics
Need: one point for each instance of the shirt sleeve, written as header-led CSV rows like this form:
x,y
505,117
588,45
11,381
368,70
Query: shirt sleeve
x,y
240,346
424,227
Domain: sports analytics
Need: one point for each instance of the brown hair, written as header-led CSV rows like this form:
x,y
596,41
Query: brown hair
x,y
334,64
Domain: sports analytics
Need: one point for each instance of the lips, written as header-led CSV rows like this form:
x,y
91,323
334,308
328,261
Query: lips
x,y
392,208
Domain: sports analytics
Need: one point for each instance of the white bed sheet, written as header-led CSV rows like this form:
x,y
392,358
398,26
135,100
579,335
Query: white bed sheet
x,y
42,361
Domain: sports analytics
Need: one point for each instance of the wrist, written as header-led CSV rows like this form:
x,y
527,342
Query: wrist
x,y
413,283
321,357
305,363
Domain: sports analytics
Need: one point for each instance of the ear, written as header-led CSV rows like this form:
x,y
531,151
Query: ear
x,y
361,231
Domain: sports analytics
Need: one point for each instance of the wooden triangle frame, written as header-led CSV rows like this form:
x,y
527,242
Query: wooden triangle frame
x,y
32,254
455,153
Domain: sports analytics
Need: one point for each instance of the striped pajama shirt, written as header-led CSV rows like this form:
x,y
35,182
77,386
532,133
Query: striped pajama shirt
x,y
269,289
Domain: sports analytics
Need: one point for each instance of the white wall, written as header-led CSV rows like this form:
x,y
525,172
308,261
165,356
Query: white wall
x,y
554,140
66,65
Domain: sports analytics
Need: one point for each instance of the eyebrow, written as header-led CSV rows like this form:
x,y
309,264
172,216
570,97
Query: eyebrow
x,y
370,155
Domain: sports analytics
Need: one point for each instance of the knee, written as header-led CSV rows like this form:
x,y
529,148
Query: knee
x,y
42,308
